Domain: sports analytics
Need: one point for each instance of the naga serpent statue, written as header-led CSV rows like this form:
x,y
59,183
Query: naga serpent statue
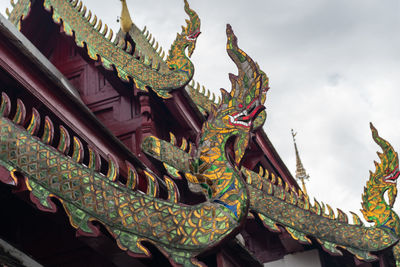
x,y
146,70
177,59
178,230
384,180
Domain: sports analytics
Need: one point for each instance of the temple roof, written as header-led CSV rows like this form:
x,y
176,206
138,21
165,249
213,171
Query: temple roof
x,y
148,53
66,89
144,63
26,47
288,204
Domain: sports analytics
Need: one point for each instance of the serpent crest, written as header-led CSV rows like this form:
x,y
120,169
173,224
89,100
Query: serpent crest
x,y
177,59
383,181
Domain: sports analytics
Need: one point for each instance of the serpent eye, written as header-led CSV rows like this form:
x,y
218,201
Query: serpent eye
x,y
248,99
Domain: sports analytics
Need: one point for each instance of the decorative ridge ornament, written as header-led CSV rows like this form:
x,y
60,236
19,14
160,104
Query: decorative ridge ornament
x,y
234,117
383,182
278,204
301,174
209,166
272,200
302,220
116,53
202,97
177,59
180,231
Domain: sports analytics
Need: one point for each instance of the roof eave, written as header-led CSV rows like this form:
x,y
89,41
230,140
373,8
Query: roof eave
x,y
34,56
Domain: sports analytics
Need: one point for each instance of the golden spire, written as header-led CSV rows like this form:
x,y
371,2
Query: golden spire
x,y
300,171
125,20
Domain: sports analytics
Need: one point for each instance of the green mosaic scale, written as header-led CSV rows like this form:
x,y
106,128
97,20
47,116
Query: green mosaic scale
x,y
178,230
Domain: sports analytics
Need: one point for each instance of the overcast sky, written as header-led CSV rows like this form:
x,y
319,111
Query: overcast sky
x,y
334,66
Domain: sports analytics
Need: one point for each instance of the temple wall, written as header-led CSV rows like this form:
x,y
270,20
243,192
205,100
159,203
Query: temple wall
x,y
308,258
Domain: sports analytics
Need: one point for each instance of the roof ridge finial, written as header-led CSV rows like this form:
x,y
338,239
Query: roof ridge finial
x,y
300,171
125,20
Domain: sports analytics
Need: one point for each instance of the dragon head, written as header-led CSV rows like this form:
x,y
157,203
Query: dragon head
x,y
192,30
241,110
177,59
387,171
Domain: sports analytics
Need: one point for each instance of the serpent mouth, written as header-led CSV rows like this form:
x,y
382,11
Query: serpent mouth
x,y
193,36
247,116
392,178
